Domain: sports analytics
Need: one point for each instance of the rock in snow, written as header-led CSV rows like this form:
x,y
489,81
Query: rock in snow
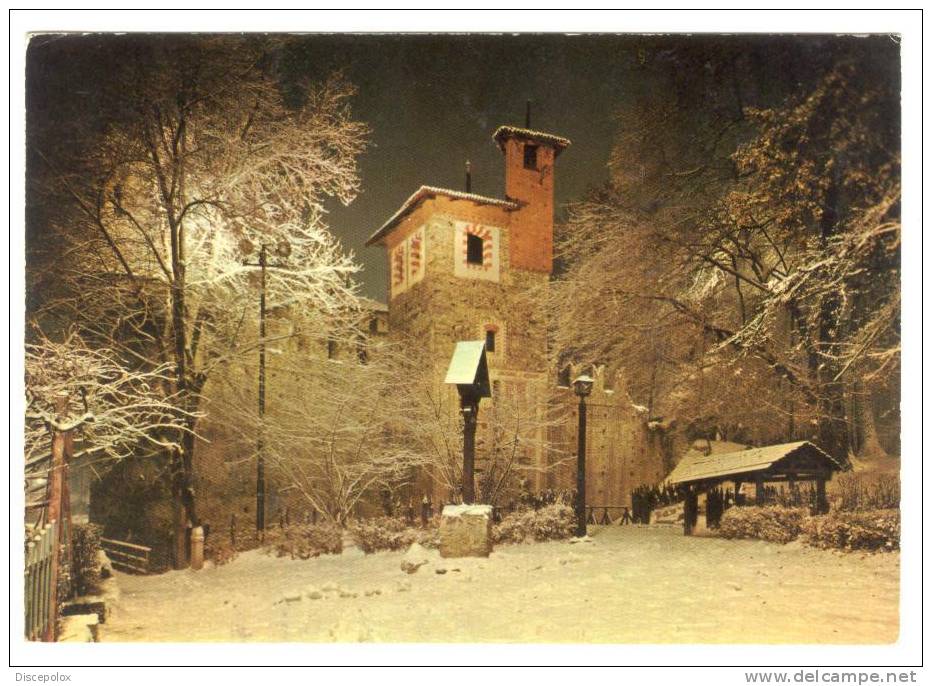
x,y
414,559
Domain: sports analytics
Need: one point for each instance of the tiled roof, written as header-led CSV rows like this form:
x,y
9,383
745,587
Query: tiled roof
x,y
425,192
558,142
698,467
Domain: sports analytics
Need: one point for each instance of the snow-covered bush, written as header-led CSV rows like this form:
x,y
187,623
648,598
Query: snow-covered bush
x,y
860,492
304,541
220,551
775,524
874,530
430,537
550,523
382,533
392,533
85,558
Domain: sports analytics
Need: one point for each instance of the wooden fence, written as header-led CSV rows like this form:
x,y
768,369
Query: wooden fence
x,y
128,557
40,592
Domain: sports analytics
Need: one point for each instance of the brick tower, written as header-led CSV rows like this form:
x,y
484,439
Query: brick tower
x,y
466,267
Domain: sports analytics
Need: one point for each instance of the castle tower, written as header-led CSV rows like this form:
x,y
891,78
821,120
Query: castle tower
x,y
529,180
464,266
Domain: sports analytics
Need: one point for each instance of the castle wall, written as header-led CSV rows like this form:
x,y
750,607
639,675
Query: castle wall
x,y
621,453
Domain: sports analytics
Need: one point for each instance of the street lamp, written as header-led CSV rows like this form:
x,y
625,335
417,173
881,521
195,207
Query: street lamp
x,y
582,386
469,371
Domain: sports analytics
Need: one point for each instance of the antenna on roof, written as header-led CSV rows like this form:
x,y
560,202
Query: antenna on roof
x,y
468,177
527,115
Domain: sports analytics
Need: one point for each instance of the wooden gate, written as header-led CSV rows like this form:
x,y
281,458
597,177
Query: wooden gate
x,y
127,557
40,593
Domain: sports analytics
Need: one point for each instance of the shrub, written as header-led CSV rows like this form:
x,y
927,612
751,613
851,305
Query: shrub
x,y
774,523
874,530
382,533
550,523
85,559
866,491
220,551
304,541
393,533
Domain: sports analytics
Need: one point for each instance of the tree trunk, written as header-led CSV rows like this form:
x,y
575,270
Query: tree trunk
x,y
833,425
862,418
184,512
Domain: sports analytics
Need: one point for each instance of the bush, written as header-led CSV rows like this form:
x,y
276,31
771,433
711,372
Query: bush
x,y
382,533
220,551
85,559
774,523
866,491
304,541
393,533
874,530
550,523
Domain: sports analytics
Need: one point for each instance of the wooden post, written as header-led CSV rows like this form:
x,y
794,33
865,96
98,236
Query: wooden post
x,y
469,411
759,489
737,491
55,491
690,511
197,548
821,500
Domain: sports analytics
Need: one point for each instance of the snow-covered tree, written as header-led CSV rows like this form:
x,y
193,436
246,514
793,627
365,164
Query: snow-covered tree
x,y
200,161
761,286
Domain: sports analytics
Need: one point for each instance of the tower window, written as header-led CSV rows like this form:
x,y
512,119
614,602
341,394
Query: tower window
x,y
530,157
474,249
490,341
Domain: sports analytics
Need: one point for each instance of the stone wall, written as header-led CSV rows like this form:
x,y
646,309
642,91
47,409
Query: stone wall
x,y
621,451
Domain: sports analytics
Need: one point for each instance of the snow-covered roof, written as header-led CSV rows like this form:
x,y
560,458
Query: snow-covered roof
x,y
467,510
559,143
425,192
468,366
700,467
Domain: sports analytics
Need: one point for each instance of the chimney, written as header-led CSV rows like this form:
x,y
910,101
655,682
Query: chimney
x,y
468,178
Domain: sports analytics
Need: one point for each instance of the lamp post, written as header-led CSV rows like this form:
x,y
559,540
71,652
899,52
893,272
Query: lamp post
x,y
582,386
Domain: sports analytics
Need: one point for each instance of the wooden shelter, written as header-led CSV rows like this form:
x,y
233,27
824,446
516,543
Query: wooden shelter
x,y
788,462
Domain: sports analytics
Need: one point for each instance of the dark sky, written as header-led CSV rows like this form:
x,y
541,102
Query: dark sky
x,y
432,102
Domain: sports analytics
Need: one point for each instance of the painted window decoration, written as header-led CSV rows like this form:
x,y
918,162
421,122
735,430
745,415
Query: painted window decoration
x,y
398,268
478,246
477,251
416,256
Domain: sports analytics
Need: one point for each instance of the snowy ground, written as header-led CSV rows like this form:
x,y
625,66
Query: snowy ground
x,y
630,584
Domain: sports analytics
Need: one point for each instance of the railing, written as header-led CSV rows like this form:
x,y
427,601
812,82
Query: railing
x,y
40,595
607,514
128,557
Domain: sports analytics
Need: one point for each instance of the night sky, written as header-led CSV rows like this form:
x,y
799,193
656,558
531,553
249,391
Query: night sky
x,y
432,102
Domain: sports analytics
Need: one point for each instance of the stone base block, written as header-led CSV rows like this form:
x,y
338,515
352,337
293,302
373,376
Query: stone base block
x,y
466,531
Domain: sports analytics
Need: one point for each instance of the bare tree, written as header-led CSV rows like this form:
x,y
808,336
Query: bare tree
x,y
201,162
